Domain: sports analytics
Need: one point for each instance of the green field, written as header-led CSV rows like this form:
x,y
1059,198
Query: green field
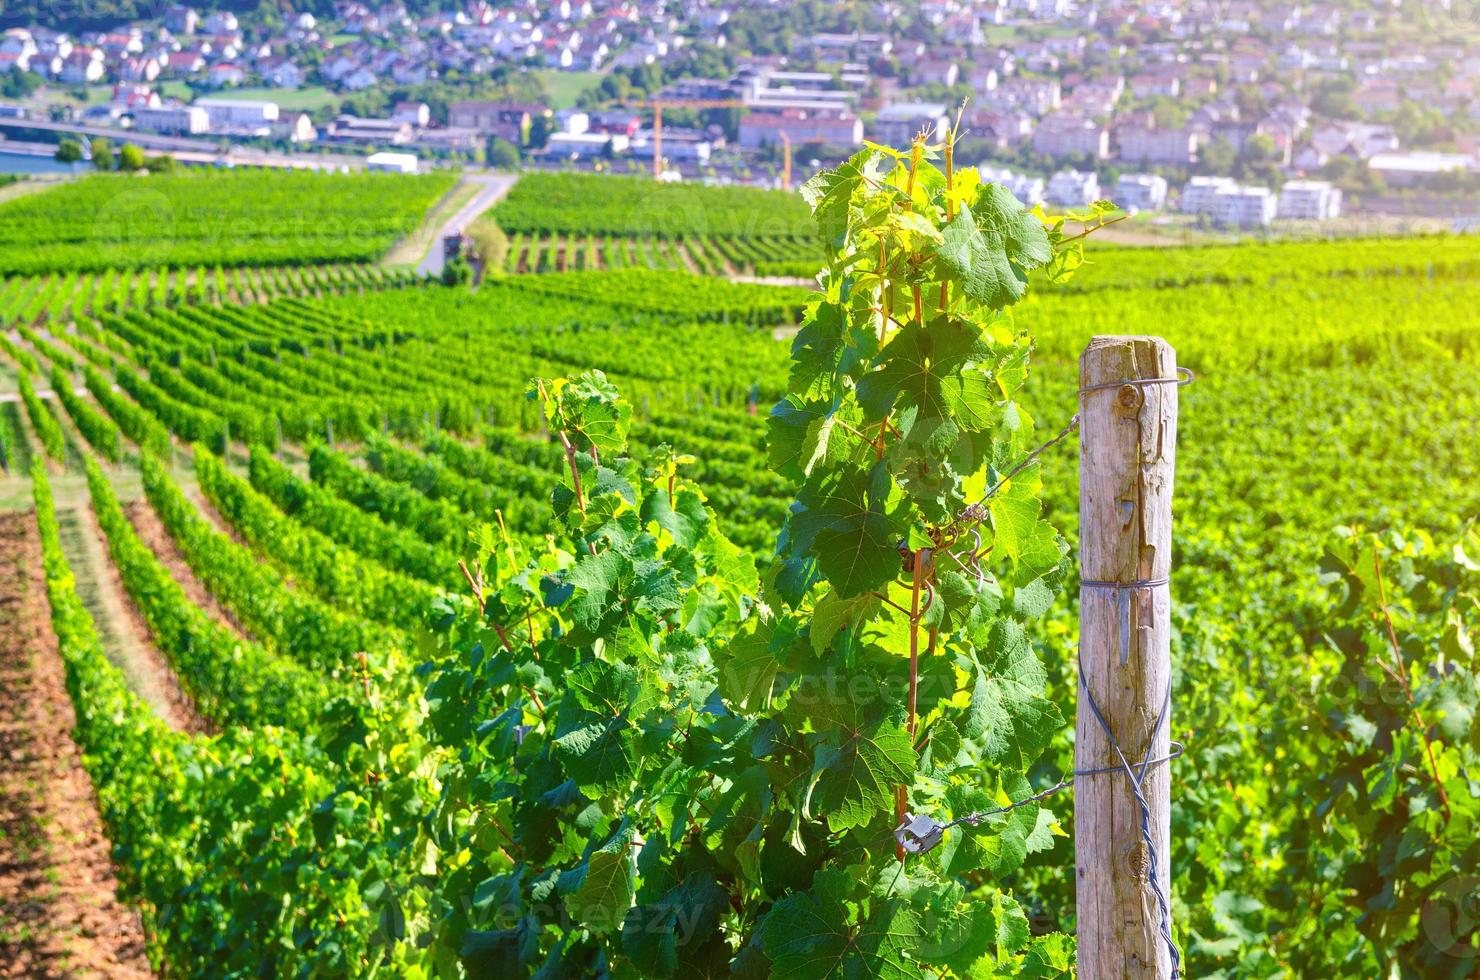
x,y
527,607
116,221
563,88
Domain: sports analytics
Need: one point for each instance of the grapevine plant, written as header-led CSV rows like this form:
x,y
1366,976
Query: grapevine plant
x,y
664,763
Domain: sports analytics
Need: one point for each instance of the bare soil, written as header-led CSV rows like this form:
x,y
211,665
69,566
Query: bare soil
x,y
59,911
152,532
125,635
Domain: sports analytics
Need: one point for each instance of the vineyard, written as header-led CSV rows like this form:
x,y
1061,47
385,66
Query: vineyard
x,y
572,222
222,219
415,630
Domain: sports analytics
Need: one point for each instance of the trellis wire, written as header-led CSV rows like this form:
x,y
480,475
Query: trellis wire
x,y
1136,775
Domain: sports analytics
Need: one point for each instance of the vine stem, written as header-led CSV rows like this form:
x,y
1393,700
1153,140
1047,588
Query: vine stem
x,y
1407,688
575,472
917,584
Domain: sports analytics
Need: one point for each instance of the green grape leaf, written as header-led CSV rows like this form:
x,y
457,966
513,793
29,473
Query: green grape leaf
x,y
925,366
992,247
604,895
1000,845
844,517
857,767
1008,713
811,936
749,665
599,756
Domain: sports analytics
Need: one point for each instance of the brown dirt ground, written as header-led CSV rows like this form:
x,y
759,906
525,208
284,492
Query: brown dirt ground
x,y
59,911
146,662
153,533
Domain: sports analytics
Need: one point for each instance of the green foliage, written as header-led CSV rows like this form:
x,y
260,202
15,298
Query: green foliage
x,y
231,680
130,158
256,851
102,153
224,218
585,203
1390,854
48,430
709,766
69,151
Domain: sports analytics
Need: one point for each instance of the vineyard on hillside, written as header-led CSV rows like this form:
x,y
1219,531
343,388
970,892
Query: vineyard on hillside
x,y
212,219
491,621
572,222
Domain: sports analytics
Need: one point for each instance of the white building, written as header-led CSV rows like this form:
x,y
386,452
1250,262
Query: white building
x,y
1068,134
1027,189
897,124
1074,187
572,121
186,119
1141,192
1309,200
583,146
1199,192
1406,169
1243,207
1149,144
392,163
238,114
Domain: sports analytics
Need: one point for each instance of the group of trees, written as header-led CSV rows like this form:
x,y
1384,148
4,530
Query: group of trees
x,y
128,158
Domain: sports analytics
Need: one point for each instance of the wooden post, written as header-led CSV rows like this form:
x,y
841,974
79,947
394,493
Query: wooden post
x,y
1127,442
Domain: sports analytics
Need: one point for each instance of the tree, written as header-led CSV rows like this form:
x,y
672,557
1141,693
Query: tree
x,y
490,246
69,151
131,158
502,155
102,153
163,164
1217,157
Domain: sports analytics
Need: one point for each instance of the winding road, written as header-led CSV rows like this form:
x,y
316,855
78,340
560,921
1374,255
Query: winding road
x,y
494,187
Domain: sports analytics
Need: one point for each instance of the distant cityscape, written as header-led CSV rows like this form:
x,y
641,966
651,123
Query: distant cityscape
x,y
1238,113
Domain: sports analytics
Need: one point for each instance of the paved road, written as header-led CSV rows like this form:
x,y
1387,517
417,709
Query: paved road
x,y
494,187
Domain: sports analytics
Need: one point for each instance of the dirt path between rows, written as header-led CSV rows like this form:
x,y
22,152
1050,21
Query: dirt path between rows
x,y
154,535
125,635
59,911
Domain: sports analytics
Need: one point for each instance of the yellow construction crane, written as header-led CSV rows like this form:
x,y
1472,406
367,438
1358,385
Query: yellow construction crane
x,y
657,105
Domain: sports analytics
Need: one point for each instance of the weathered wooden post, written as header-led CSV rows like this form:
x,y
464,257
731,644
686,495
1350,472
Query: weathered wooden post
x,y
1127,443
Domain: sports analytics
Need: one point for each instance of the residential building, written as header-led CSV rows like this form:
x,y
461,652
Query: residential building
x,y
296,127
1067,134
1162,147
186,120
1243,207
82,66
1141,192
232,114
1309,200
897,124
1029,190
509,121
1074,187
1407,169
831,127
181,20
574,121
355,129
679,146
415,114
